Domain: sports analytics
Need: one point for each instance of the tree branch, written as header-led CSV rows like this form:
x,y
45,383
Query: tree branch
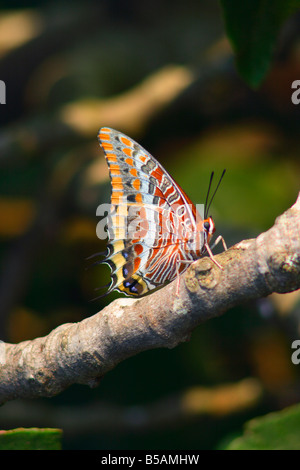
x,y
83,352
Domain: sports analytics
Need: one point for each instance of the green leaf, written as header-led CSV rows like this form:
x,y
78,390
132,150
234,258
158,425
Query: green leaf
x,y
253,27
31,438
275,431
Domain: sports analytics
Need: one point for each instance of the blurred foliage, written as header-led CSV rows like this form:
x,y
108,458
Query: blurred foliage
x,y
275,431
30,439
166,77
254,43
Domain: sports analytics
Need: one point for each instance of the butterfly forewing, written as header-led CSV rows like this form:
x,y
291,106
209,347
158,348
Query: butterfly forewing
x,y
151,218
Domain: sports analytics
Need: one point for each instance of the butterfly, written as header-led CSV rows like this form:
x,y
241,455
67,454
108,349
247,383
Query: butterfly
x,y
154,229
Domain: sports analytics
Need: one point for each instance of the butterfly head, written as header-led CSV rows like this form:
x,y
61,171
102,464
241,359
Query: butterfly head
x,y
208,228
201,237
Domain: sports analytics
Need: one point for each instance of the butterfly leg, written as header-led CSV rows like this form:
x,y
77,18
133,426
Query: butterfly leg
x,y
179,261
218,240
212,256
178,278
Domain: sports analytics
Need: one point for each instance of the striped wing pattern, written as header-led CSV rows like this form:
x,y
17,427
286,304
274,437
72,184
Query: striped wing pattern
x,y
151,220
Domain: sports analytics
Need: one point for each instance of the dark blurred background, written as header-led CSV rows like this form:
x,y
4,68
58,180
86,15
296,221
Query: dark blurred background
x,y
163,73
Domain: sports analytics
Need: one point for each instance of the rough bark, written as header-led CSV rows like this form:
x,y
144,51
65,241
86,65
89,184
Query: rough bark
x,y
83,352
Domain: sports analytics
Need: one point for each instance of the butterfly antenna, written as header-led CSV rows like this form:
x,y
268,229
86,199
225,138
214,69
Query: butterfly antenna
x,y
208,206
207,196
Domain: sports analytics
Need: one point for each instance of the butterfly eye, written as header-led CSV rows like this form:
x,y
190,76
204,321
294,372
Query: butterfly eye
x,y
206,226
